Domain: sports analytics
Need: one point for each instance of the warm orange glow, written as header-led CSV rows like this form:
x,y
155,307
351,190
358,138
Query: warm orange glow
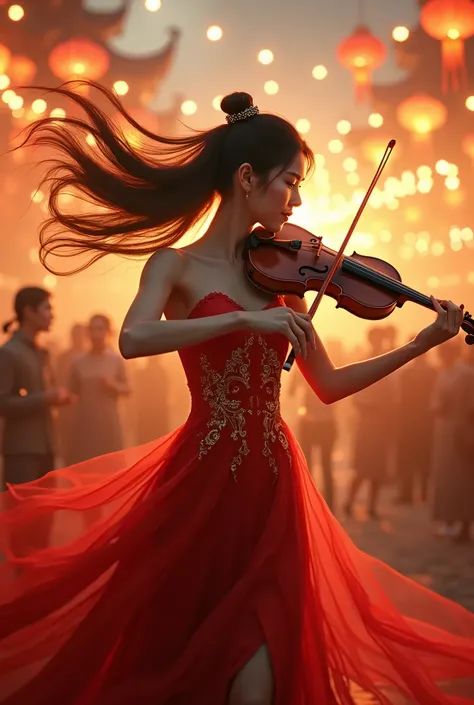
x,y
470,103
362,53
79,58
374,145
421,114
21,70
5,55
450,21
468,145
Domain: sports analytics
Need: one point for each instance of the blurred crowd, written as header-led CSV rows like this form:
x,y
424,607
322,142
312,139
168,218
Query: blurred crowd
x,y
412,430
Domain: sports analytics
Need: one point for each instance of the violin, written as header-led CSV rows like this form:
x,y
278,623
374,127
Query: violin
x,y
297,262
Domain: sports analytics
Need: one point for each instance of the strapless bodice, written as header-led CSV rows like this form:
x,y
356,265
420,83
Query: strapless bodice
x,y
234,380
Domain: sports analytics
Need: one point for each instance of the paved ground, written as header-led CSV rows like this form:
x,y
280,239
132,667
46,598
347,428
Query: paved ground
x,y
405,539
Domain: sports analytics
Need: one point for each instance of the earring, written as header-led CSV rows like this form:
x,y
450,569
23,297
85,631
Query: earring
x,y
247,194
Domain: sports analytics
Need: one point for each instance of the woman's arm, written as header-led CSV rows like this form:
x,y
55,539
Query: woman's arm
x,y
332,383
144,334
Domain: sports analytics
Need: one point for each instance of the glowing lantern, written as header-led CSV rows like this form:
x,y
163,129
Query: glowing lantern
x,y
362,53
421,114
451,21
21,70
5,55
79,58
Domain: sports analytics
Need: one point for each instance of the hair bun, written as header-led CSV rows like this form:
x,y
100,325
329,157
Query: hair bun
x,y
236,102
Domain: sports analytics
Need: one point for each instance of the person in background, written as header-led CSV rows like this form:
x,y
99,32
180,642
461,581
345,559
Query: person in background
x,y
415,429
453,477
317,430
151,381
98,380
27,394
62,367
374,406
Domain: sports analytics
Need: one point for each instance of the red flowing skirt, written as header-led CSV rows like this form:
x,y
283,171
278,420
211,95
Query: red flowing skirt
x,y
164,576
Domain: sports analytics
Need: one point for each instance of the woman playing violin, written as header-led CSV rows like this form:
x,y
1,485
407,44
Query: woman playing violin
x,y
216,573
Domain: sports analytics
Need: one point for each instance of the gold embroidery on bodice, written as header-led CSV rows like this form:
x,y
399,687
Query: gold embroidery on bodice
x,y
220,390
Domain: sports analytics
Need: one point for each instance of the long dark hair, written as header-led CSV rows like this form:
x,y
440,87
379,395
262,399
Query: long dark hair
x,y
28,296
148,196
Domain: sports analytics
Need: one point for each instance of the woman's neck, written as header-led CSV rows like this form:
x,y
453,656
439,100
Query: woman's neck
x,y
226,234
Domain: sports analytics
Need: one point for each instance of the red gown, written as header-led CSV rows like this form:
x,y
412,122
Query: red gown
x,y
212,541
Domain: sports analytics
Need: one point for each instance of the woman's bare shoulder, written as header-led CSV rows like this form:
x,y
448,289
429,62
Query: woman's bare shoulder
x,y
167,262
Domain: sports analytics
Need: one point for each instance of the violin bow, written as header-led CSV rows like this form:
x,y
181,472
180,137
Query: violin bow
x,y
329,276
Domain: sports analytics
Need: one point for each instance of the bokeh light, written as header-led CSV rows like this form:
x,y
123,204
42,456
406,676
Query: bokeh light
x,y
303,126
152,5
121,87
400,34
189,107
470,102
16,13
320,72
58,113
375,120
271,87
335,146
265,56
343,127
214,33
39,106
216,102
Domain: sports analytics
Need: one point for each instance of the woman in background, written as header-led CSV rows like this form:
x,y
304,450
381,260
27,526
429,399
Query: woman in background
x,y
98,379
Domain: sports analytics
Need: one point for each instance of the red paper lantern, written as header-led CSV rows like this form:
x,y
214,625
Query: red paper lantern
x,y
5,55
451,21
21,70
79,58
362,53
421,114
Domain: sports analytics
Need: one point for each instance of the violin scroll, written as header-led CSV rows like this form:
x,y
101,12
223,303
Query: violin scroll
x,y
468,327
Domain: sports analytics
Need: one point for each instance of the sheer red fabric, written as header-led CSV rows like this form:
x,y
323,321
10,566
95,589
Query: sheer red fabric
x,y
172,563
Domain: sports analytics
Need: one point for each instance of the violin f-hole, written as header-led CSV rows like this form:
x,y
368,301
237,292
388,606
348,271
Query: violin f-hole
x,y
307,268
